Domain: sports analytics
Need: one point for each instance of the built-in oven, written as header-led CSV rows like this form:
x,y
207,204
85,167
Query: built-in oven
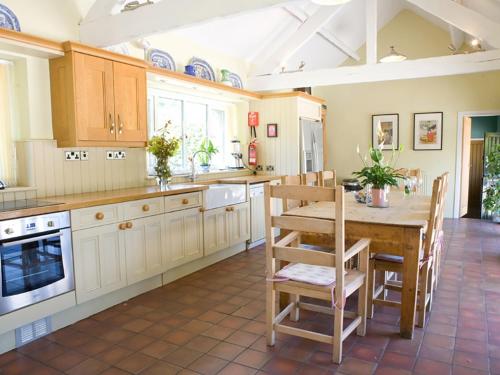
x,y
36,260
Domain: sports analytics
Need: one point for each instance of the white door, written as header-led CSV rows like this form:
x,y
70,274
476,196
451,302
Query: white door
x,y
143,248
215,230
193,234
99,259
239,224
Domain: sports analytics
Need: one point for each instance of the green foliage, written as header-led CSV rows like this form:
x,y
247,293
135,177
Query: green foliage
x,y
209,150
491,201
378,173
163,147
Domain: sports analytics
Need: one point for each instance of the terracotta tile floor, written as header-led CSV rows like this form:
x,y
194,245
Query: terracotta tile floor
x,y
212,322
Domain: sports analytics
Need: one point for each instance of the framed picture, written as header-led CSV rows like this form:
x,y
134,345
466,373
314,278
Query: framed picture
x,y
428,131
272,130
385,131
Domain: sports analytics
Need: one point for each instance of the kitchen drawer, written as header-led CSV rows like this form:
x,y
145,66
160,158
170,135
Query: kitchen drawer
x,y
141,208
95,216
182,201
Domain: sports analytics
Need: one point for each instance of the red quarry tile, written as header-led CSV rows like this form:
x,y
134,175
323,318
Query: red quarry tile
x,y
208,365
253,358
396,360
428,366
354,366
365,352
236,369
282,366
471,360
382,370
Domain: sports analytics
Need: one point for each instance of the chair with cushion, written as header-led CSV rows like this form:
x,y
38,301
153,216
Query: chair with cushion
x,y
391,263
417,173
312,273
291,180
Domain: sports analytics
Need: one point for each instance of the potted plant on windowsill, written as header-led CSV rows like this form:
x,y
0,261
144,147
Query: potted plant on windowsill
x,y
206,151
163,147
378,176
491,201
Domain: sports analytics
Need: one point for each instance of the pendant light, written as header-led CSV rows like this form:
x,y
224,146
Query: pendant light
x,y
393,56
330,2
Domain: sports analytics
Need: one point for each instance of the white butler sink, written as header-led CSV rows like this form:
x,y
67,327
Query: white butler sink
x,y
220,195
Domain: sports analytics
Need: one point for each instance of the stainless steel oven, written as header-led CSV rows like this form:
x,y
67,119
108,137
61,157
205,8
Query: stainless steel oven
x,y
36,260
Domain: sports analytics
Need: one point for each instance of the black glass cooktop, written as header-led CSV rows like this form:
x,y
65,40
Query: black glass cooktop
x,y
22,204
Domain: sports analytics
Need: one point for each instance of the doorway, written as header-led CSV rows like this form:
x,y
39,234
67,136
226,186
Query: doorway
x,y
475,129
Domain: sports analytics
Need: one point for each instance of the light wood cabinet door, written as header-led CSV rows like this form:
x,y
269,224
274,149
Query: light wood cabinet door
x,y
99,260
94,96
130,102
184,237
239,224
143,248
215,230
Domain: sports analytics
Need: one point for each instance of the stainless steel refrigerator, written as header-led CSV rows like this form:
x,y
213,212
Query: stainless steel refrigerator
x,y
311,145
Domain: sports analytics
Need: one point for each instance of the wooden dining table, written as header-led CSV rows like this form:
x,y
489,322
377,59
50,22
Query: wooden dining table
x,y
396,230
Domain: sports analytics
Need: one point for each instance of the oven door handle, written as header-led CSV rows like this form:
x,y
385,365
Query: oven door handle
x,y
32,239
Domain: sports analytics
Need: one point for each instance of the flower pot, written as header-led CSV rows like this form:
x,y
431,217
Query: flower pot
x,y
205,168
379,197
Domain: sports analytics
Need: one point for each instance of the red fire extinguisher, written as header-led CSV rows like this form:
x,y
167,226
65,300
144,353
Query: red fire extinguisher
x,y
252,152
253,122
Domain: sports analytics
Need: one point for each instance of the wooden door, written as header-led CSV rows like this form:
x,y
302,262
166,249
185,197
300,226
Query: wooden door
x,y
464,181
130,102
95,111
215,230
99,260
476,178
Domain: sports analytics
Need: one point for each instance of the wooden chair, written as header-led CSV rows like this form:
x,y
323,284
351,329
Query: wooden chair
x,y
288,250
390,263
327,178
310,178
439,248
288,204
417,172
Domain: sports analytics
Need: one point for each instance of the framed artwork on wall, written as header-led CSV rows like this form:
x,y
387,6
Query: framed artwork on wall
x,y
385,131
428,131
272,130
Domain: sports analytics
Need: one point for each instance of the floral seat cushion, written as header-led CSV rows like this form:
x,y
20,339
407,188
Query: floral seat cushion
x,y
307,273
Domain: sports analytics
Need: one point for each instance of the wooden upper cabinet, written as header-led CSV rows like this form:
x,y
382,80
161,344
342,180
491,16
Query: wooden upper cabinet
x,y
98,99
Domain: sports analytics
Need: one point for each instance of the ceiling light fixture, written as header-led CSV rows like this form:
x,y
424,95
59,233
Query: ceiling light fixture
x,y
393,56
330,2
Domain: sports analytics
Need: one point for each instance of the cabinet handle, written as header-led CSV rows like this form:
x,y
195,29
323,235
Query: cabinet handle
x,y
228,209
99,216
129,224
201,209
120,126
185,201
122,226
111,124
145,208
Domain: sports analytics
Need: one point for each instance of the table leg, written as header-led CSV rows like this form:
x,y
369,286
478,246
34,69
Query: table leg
x,y
412,243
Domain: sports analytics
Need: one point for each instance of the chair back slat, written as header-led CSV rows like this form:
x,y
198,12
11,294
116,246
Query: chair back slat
x,y
288,204
327,178
431,234
311,193
299,255
303,224
310,178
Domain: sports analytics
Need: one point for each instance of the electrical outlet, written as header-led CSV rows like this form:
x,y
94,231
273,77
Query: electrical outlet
x,y
259,168
84,155
110,155
270,168
120,155
72,155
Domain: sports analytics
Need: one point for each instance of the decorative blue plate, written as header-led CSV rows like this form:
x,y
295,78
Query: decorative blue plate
x,y
161,59
8,19
203,69
121,48
235,80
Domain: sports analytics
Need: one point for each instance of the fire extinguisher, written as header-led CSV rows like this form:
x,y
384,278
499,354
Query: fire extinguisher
x,y
253,122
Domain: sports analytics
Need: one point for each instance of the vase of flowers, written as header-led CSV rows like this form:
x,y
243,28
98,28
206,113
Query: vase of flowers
x,y
377,176
163,146
491,201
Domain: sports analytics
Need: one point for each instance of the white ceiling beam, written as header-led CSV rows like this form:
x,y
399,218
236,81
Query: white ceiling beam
x,y
161,17
409,69
300,37
463,18
302,16
371,31
100,8
457,36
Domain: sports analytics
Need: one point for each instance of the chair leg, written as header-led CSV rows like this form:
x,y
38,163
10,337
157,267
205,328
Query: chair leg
x,y
337,335
430,286
295,312
363,293
423,281
270,313
371,289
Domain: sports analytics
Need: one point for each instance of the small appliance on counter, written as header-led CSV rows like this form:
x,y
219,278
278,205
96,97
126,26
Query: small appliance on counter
x,y
237,155
3,185
351,184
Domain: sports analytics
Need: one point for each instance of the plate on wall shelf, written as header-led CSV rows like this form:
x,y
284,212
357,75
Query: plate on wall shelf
x,y
235,80
8,19
161,59
203,69
121,48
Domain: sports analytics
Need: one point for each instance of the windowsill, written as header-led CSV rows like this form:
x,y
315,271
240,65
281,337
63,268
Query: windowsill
x,y
204,176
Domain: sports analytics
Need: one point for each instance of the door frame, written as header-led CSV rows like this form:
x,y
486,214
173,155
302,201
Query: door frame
x,y
458,160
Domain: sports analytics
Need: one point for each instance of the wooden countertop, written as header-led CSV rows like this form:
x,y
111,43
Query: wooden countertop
x,y
72,202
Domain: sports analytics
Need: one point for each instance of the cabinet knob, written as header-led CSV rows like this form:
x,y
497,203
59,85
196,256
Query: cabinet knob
x,y
201,209
229,209
129,224
122,226
185,201
145,208
99,216
111,124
